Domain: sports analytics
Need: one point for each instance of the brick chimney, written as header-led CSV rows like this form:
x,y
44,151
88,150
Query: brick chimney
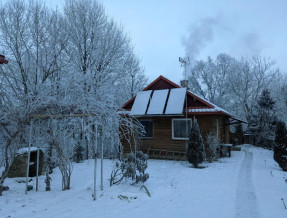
x,y
184,83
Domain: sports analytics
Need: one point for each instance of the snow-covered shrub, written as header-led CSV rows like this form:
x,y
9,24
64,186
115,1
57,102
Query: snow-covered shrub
x,y
195,151
212,146
132,167
280,148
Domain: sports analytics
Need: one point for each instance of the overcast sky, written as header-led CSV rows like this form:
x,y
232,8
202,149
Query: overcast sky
x,y
163,30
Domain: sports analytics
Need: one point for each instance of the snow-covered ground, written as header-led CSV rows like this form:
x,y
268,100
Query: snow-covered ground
x,y
249,184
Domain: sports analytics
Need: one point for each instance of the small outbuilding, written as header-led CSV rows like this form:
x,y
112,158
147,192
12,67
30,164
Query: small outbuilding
x,y
19,165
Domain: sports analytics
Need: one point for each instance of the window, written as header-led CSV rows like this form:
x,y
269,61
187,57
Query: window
x,y
148,128
181,128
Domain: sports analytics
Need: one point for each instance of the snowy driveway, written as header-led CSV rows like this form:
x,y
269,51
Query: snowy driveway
x,y
246,202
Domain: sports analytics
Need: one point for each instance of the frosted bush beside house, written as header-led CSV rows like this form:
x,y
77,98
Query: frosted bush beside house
x,y
211,149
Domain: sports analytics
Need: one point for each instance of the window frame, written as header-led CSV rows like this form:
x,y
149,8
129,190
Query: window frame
x,y
172,130
147,137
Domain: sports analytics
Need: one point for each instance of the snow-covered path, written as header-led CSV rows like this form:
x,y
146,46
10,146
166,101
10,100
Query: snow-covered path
x,y
246,201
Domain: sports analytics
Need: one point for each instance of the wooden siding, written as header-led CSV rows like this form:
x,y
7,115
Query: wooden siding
x,y
162,133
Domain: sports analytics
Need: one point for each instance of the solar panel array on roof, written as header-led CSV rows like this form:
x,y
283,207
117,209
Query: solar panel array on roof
x,y
155,103
175,101
141,103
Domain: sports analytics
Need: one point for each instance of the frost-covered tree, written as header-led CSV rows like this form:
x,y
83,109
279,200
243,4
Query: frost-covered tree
x,y
210,78
279,92
62,64
263,120
195,153
134,81
280,147
234,84
251,77
99,48
101,57
33,41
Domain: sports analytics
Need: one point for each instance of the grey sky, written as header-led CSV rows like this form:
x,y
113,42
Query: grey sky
x,y
163,30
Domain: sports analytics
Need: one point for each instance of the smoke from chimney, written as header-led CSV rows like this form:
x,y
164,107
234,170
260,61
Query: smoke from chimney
x,y
200,34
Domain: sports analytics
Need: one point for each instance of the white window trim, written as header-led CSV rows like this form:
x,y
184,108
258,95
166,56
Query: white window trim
x,y
145,137
177,138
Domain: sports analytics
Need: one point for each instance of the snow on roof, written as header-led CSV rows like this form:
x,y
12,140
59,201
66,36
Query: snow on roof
x,y
25,150
157,102
176,101
203,110
141,102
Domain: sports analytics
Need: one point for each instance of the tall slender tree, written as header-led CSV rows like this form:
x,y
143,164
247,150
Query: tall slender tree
x,y
234,84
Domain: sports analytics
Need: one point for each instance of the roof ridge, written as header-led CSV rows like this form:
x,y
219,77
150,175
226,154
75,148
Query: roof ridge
x,y
157,79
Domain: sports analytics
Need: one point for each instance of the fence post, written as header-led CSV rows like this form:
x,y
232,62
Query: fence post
x,y
28,159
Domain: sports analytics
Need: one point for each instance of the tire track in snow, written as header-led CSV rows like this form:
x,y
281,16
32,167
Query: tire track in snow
x,y
246,201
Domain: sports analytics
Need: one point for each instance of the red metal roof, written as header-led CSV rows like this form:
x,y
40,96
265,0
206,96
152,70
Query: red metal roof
x,y
161,83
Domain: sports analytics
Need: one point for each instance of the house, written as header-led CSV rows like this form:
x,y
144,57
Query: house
x,y
166,110
2,59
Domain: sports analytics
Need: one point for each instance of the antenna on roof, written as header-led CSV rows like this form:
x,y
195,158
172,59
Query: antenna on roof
x,y
184,62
